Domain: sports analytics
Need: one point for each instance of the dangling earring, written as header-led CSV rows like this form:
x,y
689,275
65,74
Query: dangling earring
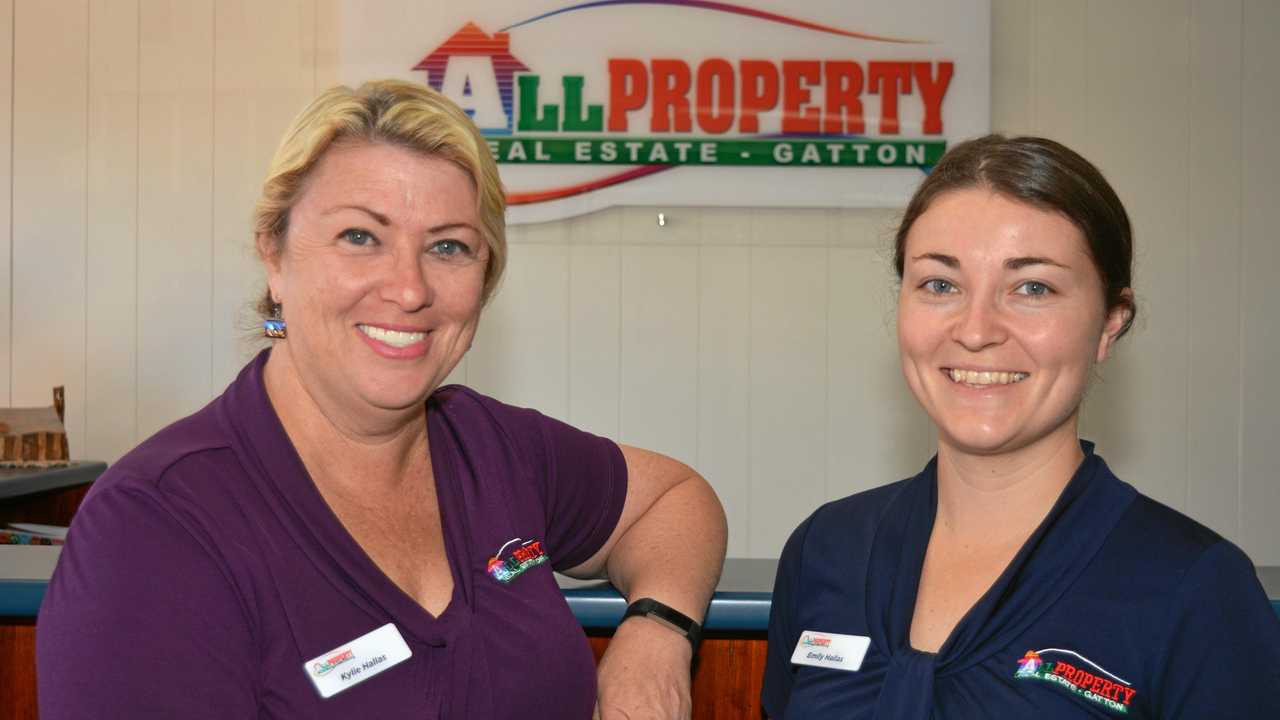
x,y
274,327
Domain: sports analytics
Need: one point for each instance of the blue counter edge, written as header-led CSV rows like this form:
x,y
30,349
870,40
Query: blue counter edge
x,y
595,608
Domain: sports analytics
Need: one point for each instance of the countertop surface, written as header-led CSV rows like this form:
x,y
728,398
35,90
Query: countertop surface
x,y
26,481
741,602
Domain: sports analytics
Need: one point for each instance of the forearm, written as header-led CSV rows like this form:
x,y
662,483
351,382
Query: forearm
x,y
674,552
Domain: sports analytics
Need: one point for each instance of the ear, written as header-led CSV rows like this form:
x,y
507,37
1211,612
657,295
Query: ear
x,y
271,252
1117,318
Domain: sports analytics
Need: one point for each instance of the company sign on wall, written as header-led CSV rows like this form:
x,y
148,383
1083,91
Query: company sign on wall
x,y
693,102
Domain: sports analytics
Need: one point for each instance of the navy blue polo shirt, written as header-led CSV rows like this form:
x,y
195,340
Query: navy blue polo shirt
x,y
1116,606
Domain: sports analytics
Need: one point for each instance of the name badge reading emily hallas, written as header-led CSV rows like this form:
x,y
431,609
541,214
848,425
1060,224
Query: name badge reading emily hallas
x,y
354,662
830,650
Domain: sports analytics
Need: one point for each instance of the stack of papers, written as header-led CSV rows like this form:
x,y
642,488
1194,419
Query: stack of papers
x,y
33,534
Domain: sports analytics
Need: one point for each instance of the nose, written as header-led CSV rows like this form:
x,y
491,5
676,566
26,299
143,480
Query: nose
x,y
407,284
979,325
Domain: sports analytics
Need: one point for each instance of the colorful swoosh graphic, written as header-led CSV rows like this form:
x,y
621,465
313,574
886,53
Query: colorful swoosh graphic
x,y
529,198
721,7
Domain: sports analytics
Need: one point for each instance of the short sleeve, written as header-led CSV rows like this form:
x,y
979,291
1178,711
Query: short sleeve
x,y
783,633
139,621
1223,655
586,486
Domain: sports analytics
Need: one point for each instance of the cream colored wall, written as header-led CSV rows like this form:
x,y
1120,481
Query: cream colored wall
x,y
756,345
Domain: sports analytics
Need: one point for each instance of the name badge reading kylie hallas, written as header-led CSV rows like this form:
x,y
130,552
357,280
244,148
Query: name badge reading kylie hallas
x,y
354,662
830,650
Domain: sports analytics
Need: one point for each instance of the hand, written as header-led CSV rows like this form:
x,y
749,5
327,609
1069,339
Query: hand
x,y
645,673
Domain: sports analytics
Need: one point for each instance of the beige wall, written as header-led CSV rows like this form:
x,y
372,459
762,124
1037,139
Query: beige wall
x,y
756,345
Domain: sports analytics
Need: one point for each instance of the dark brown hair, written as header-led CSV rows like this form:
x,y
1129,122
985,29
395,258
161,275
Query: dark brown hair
x,y
1046,175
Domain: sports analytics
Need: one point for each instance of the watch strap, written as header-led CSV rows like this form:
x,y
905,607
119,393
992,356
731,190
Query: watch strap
x,y
669,616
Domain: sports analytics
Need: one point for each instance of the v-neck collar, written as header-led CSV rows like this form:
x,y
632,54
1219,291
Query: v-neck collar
x,y
1046,565
265,450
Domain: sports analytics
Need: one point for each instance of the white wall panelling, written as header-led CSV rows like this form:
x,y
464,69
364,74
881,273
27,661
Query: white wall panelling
x,y
111,308
6,196
757,345
50,120
1258,393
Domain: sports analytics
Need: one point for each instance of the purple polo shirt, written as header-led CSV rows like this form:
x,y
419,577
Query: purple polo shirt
x,y
204,571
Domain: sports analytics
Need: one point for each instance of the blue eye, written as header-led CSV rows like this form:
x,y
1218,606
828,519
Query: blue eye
x,y
938,286
358,237
449,248
1034,289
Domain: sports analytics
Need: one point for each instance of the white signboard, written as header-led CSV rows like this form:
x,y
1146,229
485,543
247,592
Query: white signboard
x,y
693,102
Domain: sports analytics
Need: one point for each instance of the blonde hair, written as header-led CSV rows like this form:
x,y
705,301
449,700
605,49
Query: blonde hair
x,y
397,112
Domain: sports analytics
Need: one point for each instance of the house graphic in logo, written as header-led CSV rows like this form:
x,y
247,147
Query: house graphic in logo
x,y
477,71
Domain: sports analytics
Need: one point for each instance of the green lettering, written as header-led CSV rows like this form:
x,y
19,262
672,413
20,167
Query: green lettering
x,y
529,118
593,121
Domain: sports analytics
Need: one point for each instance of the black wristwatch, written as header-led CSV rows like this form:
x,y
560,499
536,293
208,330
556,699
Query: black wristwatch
x,y
668,616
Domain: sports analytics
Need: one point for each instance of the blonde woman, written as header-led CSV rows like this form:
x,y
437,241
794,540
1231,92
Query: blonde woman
x,y
339,535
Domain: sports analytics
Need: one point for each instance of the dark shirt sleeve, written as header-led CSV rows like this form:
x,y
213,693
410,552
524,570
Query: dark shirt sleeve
x,y
140,621
1223,654
585,481
783,633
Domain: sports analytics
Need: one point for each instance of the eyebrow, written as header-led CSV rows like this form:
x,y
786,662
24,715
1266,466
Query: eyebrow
x,y
453,226
1014,263
382,219
1018,263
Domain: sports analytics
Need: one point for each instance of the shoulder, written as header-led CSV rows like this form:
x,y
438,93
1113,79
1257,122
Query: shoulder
x,y
187,469
1161,545
850,518
843,528
151,464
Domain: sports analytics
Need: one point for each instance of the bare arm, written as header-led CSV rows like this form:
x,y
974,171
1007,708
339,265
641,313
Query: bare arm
x,y
669,545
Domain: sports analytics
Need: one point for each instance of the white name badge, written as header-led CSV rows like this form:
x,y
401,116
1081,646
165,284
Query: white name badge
x,y
354,662
830,650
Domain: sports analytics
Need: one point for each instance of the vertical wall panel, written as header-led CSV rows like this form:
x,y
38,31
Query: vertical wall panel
x,y
112,301
6,194
263,73
788,397
1213,203
1012,47
520,354
1058,72
877,433
1260,260
175,223
659,380
50,112
1139,132
724,374
595,288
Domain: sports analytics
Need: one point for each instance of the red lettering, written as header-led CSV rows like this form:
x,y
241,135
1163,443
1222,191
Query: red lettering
x,y
628,90
1128,694
887,80
932,90
671,81
1061,668
796,74
759,92
844,101
715,115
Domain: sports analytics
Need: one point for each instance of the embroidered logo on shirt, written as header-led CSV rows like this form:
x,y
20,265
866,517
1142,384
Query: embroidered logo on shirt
x,y
1091,682
528,554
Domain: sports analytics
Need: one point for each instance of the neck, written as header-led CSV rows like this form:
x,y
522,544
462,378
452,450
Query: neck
x,y
1004,496
369,452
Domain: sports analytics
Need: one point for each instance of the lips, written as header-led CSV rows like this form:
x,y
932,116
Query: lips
x,y
985,377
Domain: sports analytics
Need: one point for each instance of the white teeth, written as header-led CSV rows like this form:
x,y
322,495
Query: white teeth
x,y
975,377
394,338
